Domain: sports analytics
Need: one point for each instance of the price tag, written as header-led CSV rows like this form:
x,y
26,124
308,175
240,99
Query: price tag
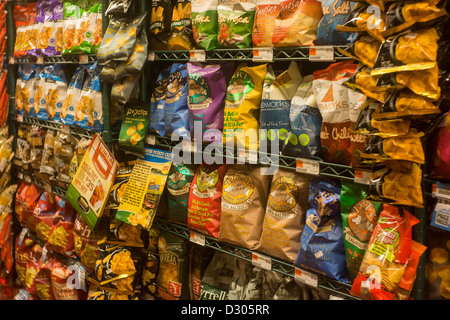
x,y
48,187
150,139
433,190
44,253
197,55
12,60
245,155
362,176
321,53
263,54
306,277
197,238
40,60
22,235
333,297
20,175
65,128
28,179
442,191
151,56
84,59
307,166
441,215
261,261
19,118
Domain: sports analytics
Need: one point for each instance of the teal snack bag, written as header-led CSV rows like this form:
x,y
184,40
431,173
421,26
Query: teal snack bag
x,y
134,128
204,23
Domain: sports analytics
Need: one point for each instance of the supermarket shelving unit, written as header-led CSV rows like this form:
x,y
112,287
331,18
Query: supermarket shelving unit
x,y
278,55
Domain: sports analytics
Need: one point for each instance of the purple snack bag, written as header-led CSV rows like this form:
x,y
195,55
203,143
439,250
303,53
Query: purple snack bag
x,y
56,42
36,29
46,29
206,98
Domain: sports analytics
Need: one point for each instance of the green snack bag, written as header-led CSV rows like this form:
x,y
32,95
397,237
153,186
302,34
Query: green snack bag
x,y
134,128
359,217
85,30
235,18
97,37
71,13
204,23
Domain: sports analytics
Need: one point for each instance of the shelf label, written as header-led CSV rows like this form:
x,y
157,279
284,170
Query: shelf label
x,y
306,277
263,54
441,215
362,176
27,178
151,56
321,53
22,236
150,139
245,155
84,59
189,146
261,261
197,238
441,190
40,60
197,55
20,118
307,166
12,60
20,175
48,187
44,253
65,128
333,297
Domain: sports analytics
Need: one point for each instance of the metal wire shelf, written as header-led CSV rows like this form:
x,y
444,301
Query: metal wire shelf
x,y
64,59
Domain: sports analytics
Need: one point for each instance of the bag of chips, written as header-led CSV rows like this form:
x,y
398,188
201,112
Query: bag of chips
x,y
28,198
44,213
85,29
278,91
437,285
23,17
297,23
61,238
440,153
32,267
303,139
24,100
134,128
173,276
60,275
158,102
120,183
322,244
55,92
125,234
244,198
181,37
334,14
205,24
264,25
235,20
58,23
71,14
67,113
359,217
285,215
204,207
46,38
47,168
136,60
384,262
160,21
179,183
22,253
206,98
105,48
364,49
199,259
176,109
39,101
244,94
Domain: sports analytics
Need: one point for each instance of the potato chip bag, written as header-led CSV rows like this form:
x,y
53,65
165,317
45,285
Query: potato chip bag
x,y
23,90
160,21
55,90
58,23
176,109
125,89
264,25
243,99
244,197
61,238
285,215
71,14
205,24
32,267
44,213
297,23
85,30
28,198
334,14
136,60
278,91
364,49
60,275
46,38
43,280
305,120
199,259
67,113
359,217
322,244
39,100
173,277
47,168
22,253
333,101
23,17
181,36
179,183
37,27
437,265
120,183
134,128
206,98
204,206
105,48
158,102
387,255
440,154
125,234
235,20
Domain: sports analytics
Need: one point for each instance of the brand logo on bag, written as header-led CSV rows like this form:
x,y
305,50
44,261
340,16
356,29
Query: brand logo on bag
x,y
241,84
283,194
238,188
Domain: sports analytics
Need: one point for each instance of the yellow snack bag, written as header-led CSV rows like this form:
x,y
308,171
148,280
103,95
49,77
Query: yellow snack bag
x,y
244,94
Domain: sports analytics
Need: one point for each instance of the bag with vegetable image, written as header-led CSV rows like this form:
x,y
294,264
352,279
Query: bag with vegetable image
x,y
205,24
134,128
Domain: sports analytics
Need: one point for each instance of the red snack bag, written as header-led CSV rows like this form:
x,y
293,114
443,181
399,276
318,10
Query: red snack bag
x,y
21,21
22,255
31,271
205,196
42,281
61,237
61,272
27,199
44,213
386,258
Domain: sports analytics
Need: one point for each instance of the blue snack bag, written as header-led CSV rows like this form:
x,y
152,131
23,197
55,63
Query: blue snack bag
x,y
303,140
176,111
40,102
322,243
334,13
67,113
55,91
158,102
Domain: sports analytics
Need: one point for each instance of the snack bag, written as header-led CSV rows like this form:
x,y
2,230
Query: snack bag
x,y
44,213
124,90
67,113
244,94
43,280
55,92
176,109
98,36
85,29
46,39
322,244
244,197
105,48
297,23
303,139
387,255
37,27
364,49
359,218
437,265
199,259
205,24
136,60
61,238
264,25
206,98
31,270
30,36
58,23
334,14
65,145
173,277
204,206
60,279
71,14
440,154
47,168
285,215
362,81
235,23
181,37
39,101
278,91
160,21
179,183
23,88
22,253
158,102
333,102
134,128
21,22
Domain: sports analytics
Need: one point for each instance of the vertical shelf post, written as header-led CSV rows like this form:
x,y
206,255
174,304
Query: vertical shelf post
x,y
106,90
10,40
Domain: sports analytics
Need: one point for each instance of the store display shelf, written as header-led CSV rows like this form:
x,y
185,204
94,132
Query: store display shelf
x,y
68,59
31,178
337,288
274,54
77,131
